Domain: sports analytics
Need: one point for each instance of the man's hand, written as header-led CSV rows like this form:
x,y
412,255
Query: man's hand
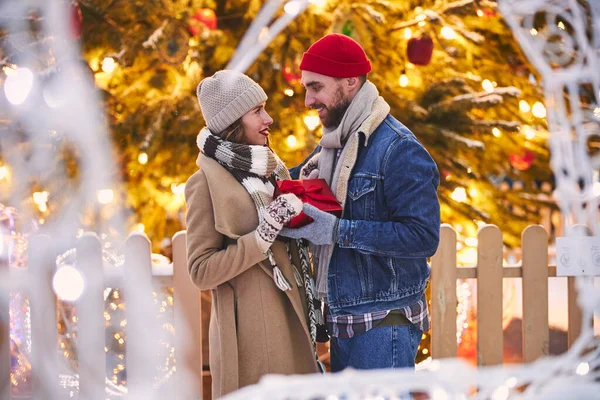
x,y
324,230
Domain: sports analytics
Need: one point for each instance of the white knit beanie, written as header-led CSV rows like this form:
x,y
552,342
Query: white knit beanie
x,y
227,96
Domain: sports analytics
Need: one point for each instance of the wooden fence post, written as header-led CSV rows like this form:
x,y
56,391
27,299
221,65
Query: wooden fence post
x,y
42,302
142,329
188,325
489,296
443,296
90,314
536,340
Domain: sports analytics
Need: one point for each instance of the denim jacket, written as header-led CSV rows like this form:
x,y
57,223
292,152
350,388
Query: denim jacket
x,y
390,225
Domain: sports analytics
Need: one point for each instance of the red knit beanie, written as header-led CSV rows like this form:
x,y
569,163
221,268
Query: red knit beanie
x,y
337,56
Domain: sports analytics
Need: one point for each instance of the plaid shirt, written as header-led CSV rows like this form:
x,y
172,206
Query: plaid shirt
x,y
347,326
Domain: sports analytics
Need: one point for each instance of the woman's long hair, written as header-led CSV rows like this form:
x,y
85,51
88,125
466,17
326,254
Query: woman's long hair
x,y
235,133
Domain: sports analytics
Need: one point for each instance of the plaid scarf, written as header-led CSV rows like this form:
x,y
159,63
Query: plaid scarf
x,y
255,167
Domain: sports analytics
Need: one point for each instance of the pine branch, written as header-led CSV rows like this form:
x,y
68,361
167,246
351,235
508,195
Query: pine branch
x,y
457,137
465,102
508,126
433,16
155,36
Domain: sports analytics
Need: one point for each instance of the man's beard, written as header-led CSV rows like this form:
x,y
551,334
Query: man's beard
x,y
336,112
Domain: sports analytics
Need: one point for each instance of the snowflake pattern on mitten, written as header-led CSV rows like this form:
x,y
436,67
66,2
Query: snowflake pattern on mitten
x,y
275,216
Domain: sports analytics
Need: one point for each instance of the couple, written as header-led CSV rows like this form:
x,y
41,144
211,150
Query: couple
x,y
370,267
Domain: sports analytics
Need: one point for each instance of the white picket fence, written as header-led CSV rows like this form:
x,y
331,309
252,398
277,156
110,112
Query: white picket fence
x,y
137,282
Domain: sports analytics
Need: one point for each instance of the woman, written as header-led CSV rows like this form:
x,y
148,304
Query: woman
x,y
261,287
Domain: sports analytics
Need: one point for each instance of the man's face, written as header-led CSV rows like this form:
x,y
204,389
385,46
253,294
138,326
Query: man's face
x,y
327,95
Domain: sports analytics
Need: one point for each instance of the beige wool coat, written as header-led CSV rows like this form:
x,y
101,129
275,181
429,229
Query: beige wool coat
x,y
255,328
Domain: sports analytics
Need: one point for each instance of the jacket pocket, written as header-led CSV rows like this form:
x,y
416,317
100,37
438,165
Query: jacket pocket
x,y
361,197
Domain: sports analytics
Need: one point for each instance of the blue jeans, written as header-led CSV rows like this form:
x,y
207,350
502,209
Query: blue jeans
x,y
380,347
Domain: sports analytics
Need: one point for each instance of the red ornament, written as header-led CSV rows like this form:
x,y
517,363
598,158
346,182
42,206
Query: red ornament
x,y
204,19
419,50
522,162
291,75
76,21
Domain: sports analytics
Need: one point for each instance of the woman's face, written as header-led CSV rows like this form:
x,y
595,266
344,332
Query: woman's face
x,y
256,125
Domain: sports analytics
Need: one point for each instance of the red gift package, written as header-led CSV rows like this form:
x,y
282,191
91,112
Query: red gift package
x,y
315,192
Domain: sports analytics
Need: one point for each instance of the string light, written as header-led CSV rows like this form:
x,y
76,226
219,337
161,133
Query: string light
x,y
105,196
293,7
487,85
538,110
448,33
143,158
291,141
459,194
288,92
108,64
178,189
501,393
312,121
582,369
533,32
468,256
480,13
463,293
407,33
496,132
561,25
528,132
3,172
471,241
18,85
263,34
41,200
524,106
9,69
403,81
68,284
140,227
597,112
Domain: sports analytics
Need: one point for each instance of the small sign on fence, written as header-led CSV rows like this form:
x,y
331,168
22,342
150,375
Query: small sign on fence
x,y
578,256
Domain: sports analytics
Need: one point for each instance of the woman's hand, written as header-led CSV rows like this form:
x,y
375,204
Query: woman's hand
x,y
276,215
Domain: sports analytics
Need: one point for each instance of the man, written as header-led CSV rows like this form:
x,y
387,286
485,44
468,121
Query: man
x,y
372,263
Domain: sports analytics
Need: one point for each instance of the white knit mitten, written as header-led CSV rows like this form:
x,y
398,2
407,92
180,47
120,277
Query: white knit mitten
x,y
276,215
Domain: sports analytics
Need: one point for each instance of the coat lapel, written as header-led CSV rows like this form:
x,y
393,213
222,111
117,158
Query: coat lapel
x,y
235,212
236,215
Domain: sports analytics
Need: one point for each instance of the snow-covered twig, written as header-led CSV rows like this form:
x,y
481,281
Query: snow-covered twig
x,y
153,38
469,142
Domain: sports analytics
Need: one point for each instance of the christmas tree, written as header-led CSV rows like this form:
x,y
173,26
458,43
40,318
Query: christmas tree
x,y
451,72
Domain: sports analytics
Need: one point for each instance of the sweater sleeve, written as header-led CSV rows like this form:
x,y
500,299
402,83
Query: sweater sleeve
x,y
209,263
